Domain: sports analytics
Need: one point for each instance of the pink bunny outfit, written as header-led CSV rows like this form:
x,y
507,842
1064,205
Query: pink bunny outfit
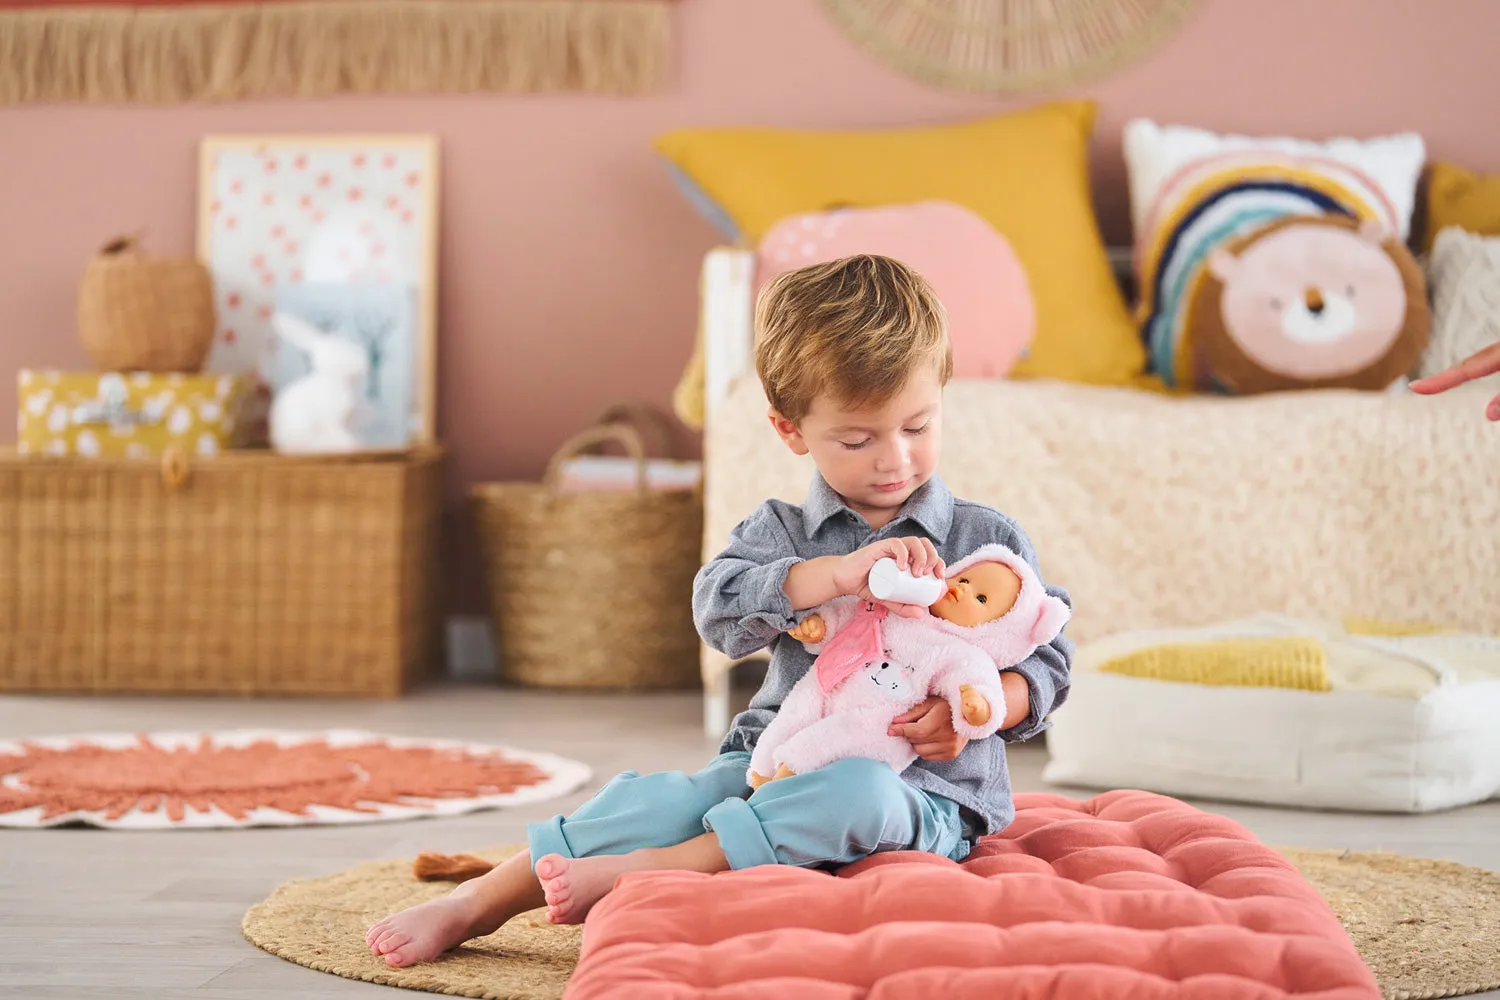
x,y
873,665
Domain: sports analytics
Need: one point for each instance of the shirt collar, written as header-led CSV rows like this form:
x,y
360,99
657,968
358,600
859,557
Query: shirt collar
x,y
931,507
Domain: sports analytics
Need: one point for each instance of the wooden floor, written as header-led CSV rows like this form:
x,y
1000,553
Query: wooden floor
x,y
88,913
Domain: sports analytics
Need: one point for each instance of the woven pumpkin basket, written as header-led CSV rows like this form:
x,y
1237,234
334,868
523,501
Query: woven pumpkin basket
x,y
139,313
592,589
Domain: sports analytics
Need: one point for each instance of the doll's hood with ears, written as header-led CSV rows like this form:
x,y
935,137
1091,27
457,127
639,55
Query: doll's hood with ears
x,y
1034,620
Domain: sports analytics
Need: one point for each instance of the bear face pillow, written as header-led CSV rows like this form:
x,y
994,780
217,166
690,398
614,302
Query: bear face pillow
x,y
1194,192
1310,302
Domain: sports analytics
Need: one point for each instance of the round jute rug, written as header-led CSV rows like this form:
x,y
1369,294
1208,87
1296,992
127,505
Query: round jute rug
x,y
1427,928
321,923
242,778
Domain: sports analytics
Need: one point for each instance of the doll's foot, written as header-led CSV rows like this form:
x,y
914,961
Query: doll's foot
x,y
757,779
782,771
423,932
573,885
976,708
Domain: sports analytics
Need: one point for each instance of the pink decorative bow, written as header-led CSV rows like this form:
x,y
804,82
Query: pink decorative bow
x,y
857,644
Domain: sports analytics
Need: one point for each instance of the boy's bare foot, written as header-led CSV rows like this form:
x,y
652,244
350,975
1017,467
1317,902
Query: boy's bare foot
x,y
477,907
423,932
573,885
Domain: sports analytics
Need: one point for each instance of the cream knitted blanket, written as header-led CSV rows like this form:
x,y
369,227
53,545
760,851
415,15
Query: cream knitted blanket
x,y
1158,511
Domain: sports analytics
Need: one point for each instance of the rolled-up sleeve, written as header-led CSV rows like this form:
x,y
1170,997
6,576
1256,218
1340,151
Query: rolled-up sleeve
x,y
739,597
1048,669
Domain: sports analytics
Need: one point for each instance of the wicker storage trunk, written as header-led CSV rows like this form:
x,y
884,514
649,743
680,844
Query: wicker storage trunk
x,y
248,573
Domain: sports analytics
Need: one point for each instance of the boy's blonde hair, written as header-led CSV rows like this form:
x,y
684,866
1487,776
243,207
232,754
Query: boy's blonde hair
x,y
854,328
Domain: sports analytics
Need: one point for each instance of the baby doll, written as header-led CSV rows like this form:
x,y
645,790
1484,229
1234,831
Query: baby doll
x,y
994,613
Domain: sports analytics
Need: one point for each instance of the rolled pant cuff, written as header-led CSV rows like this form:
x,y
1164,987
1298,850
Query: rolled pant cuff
x,y
546,838
741,838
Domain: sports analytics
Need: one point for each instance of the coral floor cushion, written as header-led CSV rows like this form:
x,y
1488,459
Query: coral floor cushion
x,y
1126,896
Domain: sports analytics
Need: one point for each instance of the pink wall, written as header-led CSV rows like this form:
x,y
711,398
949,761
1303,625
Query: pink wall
x,y
569,262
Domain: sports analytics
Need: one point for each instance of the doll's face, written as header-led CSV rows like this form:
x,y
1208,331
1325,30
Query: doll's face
x,y
980,594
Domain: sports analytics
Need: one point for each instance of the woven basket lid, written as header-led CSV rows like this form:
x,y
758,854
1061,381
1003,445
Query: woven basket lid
x,y
1007,45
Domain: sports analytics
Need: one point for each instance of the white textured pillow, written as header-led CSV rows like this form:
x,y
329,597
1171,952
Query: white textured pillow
x,y
1463,272
1383,168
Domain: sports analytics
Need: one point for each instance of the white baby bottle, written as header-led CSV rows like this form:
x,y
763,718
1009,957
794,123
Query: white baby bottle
x,y
890,583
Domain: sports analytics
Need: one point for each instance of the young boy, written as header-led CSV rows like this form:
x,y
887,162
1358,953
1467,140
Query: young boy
x,y
853,356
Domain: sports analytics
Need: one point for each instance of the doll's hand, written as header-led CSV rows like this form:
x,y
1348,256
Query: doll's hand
x,y
928,727
812,630
976,707
757,779
782,771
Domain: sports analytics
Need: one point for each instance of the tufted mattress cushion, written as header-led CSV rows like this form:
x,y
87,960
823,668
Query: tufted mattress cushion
x,y
1125,896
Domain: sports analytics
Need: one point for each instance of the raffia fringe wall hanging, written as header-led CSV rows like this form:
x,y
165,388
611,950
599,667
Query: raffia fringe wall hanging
x,y
164,51
995,46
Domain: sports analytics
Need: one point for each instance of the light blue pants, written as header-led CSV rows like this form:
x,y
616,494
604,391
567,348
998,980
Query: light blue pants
x,y
829,817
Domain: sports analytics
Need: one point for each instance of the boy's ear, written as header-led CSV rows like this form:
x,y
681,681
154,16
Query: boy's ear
x,y
787,431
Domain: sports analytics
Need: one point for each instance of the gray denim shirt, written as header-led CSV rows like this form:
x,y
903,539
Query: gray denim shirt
x,y
740,607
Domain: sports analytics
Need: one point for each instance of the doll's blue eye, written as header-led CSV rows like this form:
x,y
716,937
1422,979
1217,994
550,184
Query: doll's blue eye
x,y
982,599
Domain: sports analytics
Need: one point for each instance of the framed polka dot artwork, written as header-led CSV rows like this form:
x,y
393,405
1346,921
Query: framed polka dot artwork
x,y
337,232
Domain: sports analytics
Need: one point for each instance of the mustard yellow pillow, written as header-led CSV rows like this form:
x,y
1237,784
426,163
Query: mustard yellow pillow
x,y
1459,197
1025,172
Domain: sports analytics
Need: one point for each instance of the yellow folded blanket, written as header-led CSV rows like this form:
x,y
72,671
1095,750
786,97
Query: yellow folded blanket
x,y
1299,662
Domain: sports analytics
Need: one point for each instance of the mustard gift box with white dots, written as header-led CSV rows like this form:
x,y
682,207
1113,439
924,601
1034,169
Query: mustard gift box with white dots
x,y
131,414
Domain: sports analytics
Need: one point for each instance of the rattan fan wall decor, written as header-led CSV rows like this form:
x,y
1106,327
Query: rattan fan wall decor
x,y
1007,45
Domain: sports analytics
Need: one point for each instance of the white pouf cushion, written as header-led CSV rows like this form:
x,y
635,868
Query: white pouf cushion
x,y
1411,724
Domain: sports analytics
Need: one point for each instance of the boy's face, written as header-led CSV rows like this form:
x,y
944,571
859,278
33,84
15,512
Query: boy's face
x,y
877,456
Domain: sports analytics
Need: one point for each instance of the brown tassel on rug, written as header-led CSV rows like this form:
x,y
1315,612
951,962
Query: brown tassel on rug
x,y
162,52
433,867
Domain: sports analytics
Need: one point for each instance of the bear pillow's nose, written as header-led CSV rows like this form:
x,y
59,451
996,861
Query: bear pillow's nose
x,y
1314,300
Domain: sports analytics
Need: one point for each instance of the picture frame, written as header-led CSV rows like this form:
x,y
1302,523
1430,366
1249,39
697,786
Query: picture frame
x,y
339,231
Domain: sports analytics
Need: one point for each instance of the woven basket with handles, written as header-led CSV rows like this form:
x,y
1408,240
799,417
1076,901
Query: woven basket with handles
x,y
138,313
593,589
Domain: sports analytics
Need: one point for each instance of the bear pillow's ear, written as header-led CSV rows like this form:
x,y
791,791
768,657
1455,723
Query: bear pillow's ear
x,y
1374,231
1221,264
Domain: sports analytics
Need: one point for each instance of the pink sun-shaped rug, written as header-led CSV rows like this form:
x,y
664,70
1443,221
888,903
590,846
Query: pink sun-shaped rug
x,y
247,778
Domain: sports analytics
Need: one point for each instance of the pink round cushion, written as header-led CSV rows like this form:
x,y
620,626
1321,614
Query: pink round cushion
x,y
971,266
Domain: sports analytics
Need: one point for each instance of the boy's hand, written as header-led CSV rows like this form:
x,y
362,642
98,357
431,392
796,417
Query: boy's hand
x,y
915,555
928,727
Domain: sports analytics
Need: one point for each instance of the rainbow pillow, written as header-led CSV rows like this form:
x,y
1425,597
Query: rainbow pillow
x,y
1193,191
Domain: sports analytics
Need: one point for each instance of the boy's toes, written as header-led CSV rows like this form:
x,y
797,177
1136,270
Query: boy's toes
x,y
392,942
401,957
550,866
556,893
